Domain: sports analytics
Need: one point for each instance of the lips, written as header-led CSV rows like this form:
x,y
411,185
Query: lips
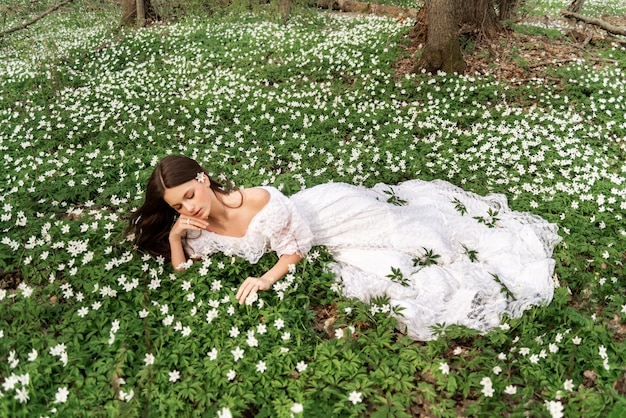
x,y
197,214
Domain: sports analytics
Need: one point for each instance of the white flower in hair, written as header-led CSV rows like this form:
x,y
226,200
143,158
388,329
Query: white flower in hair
x,y
200,177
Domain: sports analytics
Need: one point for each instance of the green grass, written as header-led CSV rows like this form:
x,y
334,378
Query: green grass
x,y
590,8
537,31
86,111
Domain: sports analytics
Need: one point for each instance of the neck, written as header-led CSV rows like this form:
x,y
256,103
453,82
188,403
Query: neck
x,y
219,214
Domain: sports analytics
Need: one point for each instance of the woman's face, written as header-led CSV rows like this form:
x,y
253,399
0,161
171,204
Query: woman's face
x,y
192,198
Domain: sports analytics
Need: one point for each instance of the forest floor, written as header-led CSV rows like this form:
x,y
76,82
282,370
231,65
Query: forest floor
x,y
519,57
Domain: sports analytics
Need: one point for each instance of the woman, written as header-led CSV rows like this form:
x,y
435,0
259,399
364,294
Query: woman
x,y
442,254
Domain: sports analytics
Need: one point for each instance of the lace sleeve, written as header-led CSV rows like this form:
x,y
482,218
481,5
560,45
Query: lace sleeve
x,y
286,229
198,244
278,227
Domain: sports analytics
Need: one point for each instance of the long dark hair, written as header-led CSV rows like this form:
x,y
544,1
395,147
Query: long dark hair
x,y
151,223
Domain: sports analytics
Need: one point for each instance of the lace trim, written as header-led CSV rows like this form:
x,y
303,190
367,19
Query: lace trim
x,y
276,227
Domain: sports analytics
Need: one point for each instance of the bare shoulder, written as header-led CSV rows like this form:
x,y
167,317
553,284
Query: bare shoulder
x,y
255,197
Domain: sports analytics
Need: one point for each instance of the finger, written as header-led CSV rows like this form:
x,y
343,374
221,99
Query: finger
x,y
239,292
242,288
197,222
192,223
249,287
242,298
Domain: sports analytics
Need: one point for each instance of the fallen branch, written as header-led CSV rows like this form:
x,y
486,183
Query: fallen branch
x,y
35,19
616,30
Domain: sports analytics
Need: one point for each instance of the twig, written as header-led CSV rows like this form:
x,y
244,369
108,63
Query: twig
x,y
35,19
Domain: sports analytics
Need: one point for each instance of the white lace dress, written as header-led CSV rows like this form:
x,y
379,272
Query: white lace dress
x,y
490,260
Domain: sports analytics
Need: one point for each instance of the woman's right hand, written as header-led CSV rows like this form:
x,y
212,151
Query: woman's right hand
x,y
187,223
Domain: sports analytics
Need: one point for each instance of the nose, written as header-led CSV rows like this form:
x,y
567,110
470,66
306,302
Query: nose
x,y
188,206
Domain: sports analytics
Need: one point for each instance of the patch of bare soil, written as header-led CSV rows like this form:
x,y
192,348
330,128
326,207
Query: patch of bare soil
x,y
10,280
325,317
618,326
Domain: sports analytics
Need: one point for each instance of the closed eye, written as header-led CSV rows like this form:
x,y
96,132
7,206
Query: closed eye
x,y
179,206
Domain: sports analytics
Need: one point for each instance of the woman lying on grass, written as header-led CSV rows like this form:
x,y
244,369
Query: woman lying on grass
x,y
442,254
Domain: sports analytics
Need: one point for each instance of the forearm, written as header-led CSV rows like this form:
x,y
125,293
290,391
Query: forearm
x,y
177,253
281,267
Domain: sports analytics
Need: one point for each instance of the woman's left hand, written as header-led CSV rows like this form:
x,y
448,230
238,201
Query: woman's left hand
x,y
251,286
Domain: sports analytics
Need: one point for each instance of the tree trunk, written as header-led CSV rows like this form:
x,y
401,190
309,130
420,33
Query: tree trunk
x,y
443,21
478,17
576,6
141,14
419,31
284,7
137,12
507,9
443,49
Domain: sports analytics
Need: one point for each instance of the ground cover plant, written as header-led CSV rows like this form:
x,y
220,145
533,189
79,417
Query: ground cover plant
x,y
591,8
90,327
